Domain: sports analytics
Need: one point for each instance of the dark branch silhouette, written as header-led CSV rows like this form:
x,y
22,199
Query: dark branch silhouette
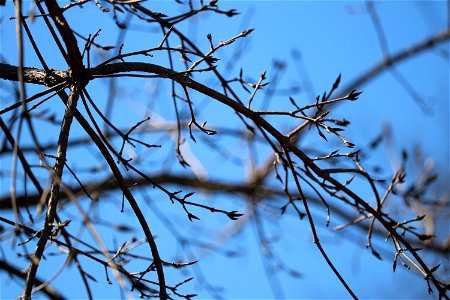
x,y
131,157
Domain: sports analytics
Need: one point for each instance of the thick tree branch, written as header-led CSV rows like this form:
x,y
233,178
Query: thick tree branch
x,y
32,75
74,59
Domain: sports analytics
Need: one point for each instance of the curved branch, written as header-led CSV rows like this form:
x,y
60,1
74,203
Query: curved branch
x,y
285,142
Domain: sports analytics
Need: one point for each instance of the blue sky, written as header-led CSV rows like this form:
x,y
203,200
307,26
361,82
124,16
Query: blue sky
x,y
332,37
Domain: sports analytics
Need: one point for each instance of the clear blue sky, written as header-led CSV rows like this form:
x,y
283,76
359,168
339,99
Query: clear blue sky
x,y
332,37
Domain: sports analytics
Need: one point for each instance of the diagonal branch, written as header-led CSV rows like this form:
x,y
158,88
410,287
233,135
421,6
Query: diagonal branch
x,y
48,290
54,189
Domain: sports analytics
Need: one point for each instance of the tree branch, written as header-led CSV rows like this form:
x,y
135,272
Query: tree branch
x,y
48,290
54,189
